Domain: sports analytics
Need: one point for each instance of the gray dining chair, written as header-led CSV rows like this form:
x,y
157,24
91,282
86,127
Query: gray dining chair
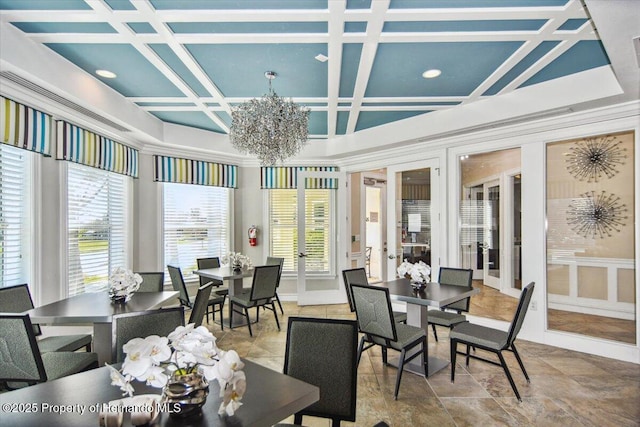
x,y
376,323
151,281
492,340
177,281
22,362
450,315
17,299
277,261
323,352
141,324
359,276
200,304
261,294
212,262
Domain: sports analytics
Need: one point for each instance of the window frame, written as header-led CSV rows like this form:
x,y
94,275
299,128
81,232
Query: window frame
x,y
64,221
188,276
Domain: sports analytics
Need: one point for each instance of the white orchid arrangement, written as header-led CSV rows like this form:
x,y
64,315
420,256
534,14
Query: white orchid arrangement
x,y
123,283
186,350
236,259
418,272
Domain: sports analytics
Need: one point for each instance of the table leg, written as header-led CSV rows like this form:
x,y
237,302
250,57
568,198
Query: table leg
x,y
102,342
417,316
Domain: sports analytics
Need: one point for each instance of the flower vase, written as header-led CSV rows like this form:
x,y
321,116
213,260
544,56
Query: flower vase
x,y
237,268
118,298
418,286
186,393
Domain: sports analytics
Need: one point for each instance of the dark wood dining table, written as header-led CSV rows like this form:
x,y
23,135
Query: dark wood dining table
x,y
76,400
98,309
435,295
235,281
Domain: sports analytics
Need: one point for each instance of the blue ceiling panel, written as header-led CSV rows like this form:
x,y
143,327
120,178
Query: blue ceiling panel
x,y
65,27
120,4
171,59
369,119
165,104
341,122
355,27
238,4
136,76
537,53
194,119
350,59
44,5
572,24
238,69
141,27
451,26
318,123
359,4
247,27
464,66
584,55
417,4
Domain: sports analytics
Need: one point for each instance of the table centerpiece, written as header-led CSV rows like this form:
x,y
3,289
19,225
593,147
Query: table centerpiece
x,y
419,273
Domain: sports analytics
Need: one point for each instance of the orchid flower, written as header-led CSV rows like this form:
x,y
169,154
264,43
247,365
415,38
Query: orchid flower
x,y
121,381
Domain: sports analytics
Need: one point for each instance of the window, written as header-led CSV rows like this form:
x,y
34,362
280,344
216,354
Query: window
x,y
97,226
283,229
15,210
197,223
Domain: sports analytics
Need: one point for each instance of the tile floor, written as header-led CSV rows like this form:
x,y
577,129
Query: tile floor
x,y
567,388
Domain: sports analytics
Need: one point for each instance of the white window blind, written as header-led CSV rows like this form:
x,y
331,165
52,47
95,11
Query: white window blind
x,y
97,212
197,222
283,229
15,166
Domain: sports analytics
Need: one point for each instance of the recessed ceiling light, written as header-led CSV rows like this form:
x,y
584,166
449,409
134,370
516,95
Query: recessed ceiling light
x,y
106,74
429,74
322,58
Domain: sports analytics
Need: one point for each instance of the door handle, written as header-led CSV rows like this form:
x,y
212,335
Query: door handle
x,y
301,255
392,256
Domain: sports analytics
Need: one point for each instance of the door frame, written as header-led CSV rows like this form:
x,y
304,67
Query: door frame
x,y
336,294
382,185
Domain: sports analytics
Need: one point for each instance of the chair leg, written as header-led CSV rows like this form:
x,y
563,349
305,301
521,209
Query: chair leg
x,y
524,371
279,304
275,313
399,374
222,316
360,347
435,334
509,377
467,361
454,352
246,313
384,355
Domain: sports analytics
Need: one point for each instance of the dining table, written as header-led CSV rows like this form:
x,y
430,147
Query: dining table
x,y
77,400
235,280
98,309
433,294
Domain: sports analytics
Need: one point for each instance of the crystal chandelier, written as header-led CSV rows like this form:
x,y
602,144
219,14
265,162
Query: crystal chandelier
x,y
271,128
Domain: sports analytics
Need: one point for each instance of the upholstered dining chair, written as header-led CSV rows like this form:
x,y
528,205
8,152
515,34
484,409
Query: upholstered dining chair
x,y
22,362
277,261
141,324
151,281
323,352
17,299
359,276
451,315
492,340
376,323
200,304
261,294
212,262
177,281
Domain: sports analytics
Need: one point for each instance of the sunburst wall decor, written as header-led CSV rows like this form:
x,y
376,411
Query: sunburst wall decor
x,y
594,157
596,215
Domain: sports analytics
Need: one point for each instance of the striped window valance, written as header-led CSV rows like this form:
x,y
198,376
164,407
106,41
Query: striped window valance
x,y
79,145
25,127
283,177
187,171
